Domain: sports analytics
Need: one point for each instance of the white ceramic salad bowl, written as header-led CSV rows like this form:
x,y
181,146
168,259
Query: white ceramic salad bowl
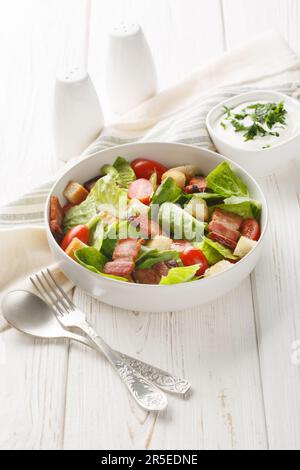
x,y
155,298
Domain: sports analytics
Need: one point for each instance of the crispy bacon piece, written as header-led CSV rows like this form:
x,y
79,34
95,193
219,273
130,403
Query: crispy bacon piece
x,y
146,276
128,249
120,267
197,184
224,230
229,219
146,227
223,240
56,217
152,275
161,268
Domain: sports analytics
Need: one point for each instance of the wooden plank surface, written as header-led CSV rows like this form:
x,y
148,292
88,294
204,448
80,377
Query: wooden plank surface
x,y
236,351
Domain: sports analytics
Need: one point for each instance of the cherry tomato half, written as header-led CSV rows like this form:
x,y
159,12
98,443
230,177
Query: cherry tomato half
x,y
79,231
141,189
191,256
250,229
144,168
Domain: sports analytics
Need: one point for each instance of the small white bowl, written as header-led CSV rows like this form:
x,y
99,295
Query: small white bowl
x,y
146,297
259,162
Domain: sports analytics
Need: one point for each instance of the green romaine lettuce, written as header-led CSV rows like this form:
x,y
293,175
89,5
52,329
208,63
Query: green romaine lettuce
x,y
97,235
155,257
112,234
121,171
106,195
222,180
247,208
181,274
222,250
80,214
91,258
166,191
212,255
178,222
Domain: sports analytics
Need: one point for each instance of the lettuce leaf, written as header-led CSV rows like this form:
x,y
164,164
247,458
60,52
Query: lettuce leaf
x,y
181,274
91,258
121,170
106,195
178,222
112,233
210,198
222,180
222,250
80,214
155,257
166,191
212,255
97,235
245,207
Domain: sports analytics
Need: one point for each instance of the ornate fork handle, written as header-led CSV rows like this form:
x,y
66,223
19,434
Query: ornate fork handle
x,y
146,394
164,380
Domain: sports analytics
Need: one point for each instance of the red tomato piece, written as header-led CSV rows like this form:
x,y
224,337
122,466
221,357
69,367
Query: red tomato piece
x,y
79,231
250,228
191,256
144,168
141,189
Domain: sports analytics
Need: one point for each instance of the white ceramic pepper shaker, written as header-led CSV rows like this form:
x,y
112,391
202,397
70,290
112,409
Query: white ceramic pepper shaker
x,y
78,117
131,76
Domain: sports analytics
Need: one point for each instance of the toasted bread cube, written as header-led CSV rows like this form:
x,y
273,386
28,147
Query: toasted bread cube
x,y
177,176
197,207
244,246
218,268
75,193
74,245
188,170
160,243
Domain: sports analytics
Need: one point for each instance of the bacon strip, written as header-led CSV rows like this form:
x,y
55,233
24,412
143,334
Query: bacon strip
x,y
223,240
152,275
119,267
223,230
56,217
128,249
229,219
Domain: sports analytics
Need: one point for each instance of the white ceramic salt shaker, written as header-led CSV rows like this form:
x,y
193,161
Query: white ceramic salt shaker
x,y
131,75
78,117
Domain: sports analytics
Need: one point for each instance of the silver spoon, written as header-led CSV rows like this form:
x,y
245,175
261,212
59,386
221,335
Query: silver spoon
x,y
29,314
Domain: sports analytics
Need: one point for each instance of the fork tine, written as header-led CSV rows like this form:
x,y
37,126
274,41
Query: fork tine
x,y
65,295
44,292
60,300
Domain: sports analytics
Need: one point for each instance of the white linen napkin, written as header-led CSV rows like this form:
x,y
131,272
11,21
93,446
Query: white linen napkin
x,y
176,114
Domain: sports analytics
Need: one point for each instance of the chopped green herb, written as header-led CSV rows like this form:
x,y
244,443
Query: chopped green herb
x,y
263,117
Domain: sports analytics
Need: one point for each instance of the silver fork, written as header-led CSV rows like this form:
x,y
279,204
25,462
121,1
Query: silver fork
x,y
146,394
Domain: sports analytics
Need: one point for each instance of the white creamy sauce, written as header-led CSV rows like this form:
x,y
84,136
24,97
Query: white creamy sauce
x,y
291,128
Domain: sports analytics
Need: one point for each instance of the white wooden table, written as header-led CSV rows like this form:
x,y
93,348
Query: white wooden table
x,y
236,351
